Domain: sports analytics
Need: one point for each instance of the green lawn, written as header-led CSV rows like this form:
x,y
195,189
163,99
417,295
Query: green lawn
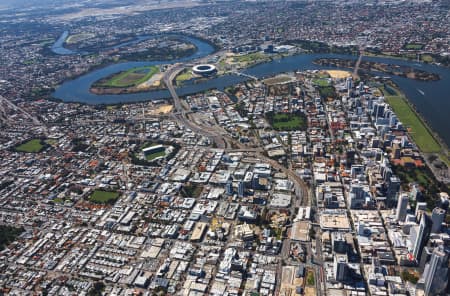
x,y
279,233
29,62
321,82
419,132
426,58
327,91
79,37
288,121
250,58
155,155
58,200
132,77
414,46
191,190
222,63
183,76
444,158
310,280
103,197
32,146
415,175
277,79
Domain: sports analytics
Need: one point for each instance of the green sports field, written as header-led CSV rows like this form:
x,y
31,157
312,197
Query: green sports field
x,y
155,155
32,146
184,76
414,46
321,82
250,58
103,197
79,37
130,78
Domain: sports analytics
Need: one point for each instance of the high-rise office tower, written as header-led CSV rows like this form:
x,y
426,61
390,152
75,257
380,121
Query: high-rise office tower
x,y
392,191
229,187
421,207
241,189
402,206
419,236
340,267
437,217
435,276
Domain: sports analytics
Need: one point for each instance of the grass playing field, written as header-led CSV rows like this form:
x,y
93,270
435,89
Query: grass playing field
x,y
277,79
183,76
250,58
32,146
79,37
155,155
132,77
426,58
321,82
103,197
414,46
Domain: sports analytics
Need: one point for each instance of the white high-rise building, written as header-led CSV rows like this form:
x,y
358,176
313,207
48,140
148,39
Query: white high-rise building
x,y
420,208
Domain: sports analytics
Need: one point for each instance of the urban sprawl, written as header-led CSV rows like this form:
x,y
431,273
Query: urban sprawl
x,y
303,183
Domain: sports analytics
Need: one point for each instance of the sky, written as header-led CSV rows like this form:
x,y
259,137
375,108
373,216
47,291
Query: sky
x,y
25,3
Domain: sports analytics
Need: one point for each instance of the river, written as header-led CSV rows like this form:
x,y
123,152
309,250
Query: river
x,y
58,46
431,98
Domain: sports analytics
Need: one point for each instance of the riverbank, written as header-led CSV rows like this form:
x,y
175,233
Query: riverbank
x,y
428,96
424,137
125,90
391,69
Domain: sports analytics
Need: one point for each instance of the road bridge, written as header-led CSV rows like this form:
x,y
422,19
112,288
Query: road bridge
x,y
244,75
358,62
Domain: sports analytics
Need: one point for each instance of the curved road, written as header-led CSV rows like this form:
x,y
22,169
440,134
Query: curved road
x,y
181,116
222,139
